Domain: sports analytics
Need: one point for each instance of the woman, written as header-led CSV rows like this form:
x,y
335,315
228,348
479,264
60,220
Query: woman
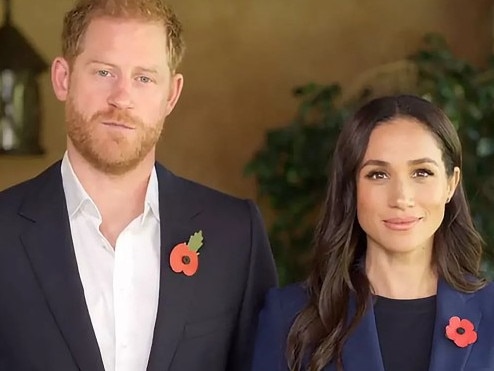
x,y
395,284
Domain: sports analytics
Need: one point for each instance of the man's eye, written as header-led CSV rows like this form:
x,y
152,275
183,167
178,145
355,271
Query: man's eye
x,y
103,73
144,79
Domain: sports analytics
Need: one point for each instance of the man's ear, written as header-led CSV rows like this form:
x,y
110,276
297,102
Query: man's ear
x,y
176,85
60,76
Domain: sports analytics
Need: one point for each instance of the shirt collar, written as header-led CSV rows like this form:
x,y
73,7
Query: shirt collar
x,y
152,200
77,197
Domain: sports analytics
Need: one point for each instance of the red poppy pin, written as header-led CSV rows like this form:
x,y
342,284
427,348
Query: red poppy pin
x,y
461,331
185,256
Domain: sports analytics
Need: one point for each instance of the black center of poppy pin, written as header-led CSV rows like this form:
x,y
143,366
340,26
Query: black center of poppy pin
x,y
460,330
185,260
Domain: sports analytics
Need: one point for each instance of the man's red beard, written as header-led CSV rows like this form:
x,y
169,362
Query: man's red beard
x,y
112,152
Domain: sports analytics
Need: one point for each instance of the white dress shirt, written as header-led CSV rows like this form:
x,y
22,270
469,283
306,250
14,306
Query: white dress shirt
x,y
121,285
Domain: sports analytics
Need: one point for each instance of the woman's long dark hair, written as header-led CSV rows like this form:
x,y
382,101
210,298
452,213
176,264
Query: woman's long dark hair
x,y
317,336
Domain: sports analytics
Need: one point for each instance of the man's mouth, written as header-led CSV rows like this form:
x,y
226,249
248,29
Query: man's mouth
x,y
120,125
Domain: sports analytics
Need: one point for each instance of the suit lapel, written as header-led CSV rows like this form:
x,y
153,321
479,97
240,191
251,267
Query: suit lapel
x,y
362,350
445,354
176,289
48,244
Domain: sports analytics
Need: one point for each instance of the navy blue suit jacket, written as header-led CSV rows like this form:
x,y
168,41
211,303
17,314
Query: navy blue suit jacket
x,y
362,353
204,322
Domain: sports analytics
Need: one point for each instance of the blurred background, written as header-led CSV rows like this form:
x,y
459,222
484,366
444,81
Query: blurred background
x,y
267,84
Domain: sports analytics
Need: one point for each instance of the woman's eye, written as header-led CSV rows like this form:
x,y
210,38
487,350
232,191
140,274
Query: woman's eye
x,y
376,175
422,173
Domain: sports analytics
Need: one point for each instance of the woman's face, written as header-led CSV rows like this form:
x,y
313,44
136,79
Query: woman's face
x,y
402,187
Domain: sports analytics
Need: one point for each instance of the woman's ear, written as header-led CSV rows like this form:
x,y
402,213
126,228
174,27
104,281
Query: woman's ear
x,y
453,182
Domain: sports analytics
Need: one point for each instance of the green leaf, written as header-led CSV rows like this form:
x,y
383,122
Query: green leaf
x,y
195,241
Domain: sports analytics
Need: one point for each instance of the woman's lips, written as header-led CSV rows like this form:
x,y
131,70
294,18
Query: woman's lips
x,y
401,224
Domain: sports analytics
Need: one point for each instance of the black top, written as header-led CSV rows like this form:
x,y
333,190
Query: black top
x,y
405,329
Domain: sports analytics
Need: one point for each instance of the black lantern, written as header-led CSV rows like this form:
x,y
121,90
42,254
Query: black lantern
x,y
20,116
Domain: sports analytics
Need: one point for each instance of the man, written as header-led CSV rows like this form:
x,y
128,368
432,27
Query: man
x,y
108,261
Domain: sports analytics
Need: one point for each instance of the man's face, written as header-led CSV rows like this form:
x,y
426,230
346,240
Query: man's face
x,y
119,91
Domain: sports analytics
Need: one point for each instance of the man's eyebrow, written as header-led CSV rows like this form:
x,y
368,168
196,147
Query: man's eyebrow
x,y
152,69
96,61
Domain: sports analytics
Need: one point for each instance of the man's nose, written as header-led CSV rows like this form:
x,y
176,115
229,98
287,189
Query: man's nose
x,y
121,96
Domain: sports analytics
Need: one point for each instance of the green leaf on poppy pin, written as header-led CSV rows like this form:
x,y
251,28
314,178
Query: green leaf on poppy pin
x,y
195,241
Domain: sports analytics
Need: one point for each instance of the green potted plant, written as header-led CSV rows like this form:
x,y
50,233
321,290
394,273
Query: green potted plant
x,y
291,167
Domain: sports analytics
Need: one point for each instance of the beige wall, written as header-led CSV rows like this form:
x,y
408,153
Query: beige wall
x,y
243,59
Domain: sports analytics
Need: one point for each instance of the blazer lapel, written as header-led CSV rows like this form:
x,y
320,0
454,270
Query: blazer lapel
x,y
176,289
445,354
48,244
362,350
